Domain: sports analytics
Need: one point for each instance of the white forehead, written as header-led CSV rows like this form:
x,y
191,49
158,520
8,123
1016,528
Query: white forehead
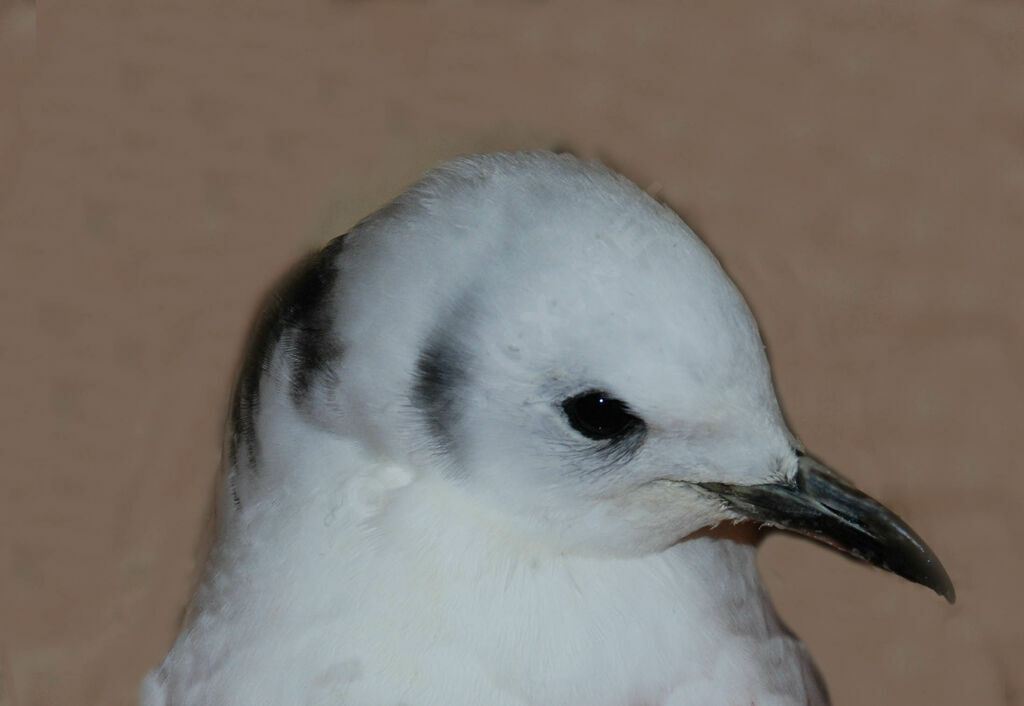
x,y
558,256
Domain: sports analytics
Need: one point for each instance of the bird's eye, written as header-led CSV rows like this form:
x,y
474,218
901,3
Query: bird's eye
x,y
598,416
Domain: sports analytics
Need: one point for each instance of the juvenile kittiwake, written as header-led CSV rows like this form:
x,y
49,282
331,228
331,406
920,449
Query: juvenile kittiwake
x,y
489,449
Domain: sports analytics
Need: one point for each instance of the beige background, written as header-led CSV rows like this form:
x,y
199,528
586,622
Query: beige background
x,y
859,167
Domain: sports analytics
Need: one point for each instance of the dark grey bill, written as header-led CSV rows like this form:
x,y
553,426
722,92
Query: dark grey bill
x,y
821,505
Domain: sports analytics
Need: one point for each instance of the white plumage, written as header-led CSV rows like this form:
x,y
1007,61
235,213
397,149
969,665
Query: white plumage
x,y
466,443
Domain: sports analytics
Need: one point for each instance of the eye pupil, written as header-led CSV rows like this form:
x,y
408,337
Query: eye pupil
x,y
595,415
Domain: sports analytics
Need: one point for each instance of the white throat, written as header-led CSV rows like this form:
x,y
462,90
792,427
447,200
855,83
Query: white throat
x,y
314,591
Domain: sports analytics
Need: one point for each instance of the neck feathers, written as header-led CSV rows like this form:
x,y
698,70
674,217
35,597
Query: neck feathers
x,y
291,352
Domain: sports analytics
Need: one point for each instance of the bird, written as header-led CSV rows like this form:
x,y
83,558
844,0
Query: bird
x,y
512,439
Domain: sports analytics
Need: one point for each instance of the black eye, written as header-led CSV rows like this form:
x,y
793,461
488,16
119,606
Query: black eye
x,y
598,416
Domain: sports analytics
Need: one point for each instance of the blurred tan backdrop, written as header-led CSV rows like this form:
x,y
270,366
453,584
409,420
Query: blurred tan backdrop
x,y
859,168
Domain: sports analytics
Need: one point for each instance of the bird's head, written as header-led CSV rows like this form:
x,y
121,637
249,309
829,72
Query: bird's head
x,y
543,336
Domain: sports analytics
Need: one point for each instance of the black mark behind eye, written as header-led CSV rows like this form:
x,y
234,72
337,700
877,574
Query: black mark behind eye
x,y
440,375
597,415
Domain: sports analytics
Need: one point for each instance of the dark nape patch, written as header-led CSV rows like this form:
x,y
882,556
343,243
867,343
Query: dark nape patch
x,y
440,375
299,306
309,317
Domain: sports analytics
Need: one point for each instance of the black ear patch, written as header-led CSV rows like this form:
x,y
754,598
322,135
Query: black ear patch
x,y
440,375
297,310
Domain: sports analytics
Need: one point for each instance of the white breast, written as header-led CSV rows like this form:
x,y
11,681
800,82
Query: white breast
x,y
401,594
